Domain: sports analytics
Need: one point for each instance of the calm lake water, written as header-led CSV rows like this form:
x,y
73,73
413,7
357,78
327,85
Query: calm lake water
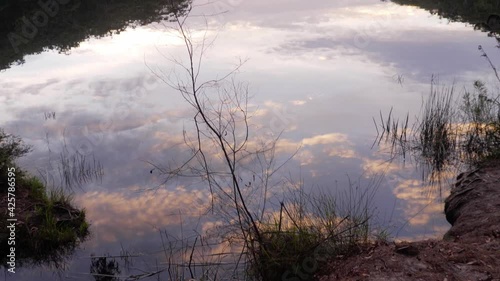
x,y
318,70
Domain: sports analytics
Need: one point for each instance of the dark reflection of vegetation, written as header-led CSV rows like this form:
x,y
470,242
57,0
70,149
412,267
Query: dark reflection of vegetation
x,y
64,27
483,15
449,132
76,169
75,166
436,136
103,269
48,227
463,11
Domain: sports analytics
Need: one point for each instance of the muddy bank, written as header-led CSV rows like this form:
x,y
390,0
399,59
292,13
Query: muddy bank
x,y
47,227
470,250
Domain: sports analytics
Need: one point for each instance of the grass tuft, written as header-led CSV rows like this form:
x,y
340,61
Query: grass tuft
x,y
451,132
309,230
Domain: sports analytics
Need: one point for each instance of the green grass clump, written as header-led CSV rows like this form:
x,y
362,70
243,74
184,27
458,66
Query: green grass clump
x,y
48,226
285,251
309,231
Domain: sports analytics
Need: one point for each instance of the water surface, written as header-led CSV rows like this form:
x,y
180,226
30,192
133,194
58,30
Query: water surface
x,y
317,71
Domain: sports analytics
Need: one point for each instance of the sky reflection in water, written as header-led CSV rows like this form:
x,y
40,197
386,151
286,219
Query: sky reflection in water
x,y
317,70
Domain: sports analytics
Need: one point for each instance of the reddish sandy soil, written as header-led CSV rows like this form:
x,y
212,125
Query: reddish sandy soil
x,y
470,250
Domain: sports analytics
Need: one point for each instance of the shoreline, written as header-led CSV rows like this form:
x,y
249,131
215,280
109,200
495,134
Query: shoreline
x,y
470,249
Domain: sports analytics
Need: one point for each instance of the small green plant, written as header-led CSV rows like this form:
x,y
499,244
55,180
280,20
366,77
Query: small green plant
x,y
58,195
285,250
383,236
